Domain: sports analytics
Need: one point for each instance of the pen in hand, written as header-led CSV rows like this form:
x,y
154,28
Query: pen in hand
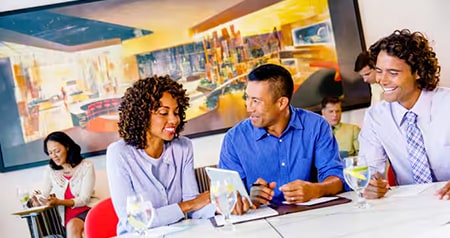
x,y
262,192
258,185
377,177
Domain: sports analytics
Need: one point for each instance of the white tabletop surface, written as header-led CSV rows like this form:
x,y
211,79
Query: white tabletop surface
x,y
406,211
396,215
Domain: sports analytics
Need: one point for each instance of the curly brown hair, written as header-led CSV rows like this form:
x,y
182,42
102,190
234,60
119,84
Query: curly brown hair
x,y
138,103
416,51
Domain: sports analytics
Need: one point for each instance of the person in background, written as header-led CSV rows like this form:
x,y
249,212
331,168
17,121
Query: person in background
x,y
68,182
345,134
280,152
365,67
410,127
152,159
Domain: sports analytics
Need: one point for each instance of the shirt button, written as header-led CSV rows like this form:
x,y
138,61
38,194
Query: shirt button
x,y
281,140
283,164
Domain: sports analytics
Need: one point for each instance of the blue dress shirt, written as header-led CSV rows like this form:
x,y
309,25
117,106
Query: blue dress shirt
x,y
164,181
306,145
383,135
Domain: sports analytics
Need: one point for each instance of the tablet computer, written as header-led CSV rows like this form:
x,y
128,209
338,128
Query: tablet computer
x,y
219,174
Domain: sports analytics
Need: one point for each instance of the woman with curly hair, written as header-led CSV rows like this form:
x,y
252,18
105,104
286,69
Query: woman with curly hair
x,y
411,126
68,182
152,159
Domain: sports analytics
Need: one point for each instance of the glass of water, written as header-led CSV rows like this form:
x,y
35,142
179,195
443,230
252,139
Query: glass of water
x,y
224,196
357,176
140,213
23,195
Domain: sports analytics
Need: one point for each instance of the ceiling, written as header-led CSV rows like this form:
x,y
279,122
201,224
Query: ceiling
x,y
75,27
65,29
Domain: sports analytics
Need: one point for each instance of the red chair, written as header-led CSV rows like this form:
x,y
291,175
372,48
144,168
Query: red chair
x,y
391,176
101,221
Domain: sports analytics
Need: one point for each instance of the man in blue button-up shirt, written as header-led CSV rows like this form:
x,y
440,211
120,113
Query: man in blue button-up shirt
x,y
280,151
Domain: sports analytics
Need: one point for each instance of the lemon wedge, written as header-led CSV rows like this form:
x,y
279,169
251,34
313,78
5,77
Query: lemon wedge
x,y
230,188
24,199
136,224
355,172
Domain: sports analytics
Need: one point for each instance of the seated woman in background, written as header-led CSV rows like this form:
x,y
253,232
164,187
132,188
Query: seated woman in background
x,y
68,182
152,159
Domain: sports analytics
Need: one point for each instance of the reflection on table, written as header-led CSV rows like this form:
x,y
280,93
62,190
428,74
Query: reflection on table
x,y
406,211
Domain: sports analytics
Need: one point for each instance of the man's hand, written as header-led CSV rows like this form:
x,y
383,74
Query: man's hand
x,y
444,192
377,187
242,205
262,192
299,191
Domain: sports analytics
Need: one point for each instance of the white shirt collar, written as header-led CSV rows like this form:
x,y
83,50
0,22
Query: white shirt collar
x,y
422,108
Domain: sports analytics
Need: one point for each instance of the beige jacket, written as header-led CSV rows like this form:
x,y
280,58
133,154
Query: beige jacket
x,y
81,184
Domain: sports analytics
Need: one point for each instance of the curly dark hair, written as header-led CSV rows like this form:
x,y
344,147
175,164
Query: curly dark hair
x,y
74,157
138,103
416,51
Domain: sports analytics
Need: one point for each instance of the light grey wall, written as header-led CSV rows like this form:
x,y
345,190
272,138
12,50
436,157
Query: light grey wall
x,y
379,18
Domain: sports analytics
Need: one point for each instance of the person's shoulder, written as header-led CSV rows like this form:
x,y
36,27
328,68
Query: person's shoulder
x,y
117,145
379,108
308,116
181,141
242,128
119,149
351,126
87,163
440,93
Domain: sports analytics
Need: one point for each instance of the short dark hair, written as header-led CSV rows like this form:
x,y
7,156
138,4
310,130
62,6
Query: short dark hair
x,y
138,103
330,99
279,77
74,157
416,51
363,60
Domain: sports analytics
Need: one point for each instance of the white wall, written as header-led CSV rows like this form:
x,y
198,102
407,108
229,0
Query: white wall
x,y
379,19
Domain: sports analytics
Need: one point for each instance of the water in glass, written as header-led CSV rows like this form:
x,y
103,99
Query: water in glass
x,y
139,213
224,196
357,176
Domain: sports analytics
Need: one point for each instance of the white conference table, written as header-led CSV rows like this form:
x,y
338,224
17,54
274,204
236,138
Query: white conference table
x,y
406,211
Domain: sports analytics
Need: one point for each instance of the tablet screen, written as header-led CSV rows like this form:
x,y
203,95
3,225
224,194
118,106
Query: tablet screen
x,y
216,174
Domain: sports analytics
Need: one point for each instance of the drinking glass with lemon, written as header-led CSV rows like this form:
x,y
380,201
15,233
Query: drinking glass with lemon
x,y
357,176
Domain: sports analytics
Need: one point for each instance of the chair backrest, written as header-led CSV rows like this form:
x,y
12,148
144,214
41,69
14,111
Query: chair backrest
x,y
202,178
101,221
391,176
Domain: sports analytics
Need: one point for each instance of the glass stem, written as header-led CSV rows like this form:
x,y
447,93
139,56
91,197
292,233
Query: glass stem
x,y
361,198
227,219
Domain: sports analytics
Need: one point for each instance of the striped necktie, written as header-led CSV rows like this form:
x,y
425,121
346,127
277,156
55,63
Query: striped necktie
x,y
416,150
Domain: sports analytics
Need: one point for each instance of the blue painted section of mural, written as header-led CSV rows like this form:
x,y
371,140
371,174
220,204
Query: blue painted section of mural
x,y
67,30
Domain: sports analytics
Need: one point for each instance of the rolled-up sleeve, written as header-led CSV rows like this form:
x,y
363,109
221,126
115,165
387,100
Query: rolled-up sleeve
x,y
327,159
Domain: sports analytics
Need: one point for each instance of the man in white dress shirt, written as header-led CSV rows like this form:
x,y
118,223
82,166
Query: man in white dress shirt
x,y
408,70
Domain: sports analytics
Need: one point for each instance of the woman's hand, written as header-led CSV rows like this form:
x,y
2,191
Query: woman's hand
x,y
52,200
